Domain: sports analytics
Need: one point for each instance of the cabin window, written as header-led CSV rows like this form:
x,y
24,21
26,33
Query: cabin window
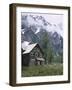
x,y
32,54
36,54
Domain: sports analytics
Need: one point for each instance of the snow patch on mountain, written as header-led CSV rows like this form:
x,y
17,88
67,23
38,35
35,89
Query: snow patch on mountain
x,y
38,30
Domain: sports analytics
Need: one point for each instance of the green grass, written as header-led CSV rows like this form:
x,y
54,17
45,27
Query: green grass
x,y
45,70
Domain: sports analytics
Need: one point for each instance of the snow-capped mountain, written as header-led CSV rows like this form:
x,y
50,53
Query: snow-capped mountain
x,y
34,28
38,22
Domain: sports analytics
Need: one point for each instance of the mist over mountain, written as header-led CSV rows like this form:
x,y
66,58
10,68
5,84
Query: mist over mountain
x,y
36,29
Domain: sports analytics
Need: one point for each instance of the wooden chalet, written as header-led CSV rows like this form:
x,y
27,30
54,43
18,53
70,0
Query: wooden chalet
x,y
32,55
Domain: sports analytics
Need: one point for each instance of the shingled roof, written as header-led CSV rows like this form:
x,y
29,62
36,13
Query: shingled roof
x,y
28,48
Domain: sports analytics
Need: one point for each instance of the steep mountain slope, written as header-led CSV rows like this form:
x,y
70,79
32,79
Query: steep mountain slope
x,y
35,29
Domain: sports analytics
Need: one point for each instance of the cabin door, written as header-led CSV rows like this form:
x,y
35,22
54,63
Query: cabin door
x,y
38,62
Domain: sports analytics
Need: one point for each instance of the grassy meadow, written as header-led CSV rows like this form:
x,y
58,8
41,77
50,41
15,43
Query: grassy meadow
x,y
45,70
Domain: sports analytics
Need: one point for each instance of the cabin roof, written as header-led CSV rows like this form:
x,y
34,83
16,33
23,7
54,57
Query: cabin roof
x,y
24,45
29,48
